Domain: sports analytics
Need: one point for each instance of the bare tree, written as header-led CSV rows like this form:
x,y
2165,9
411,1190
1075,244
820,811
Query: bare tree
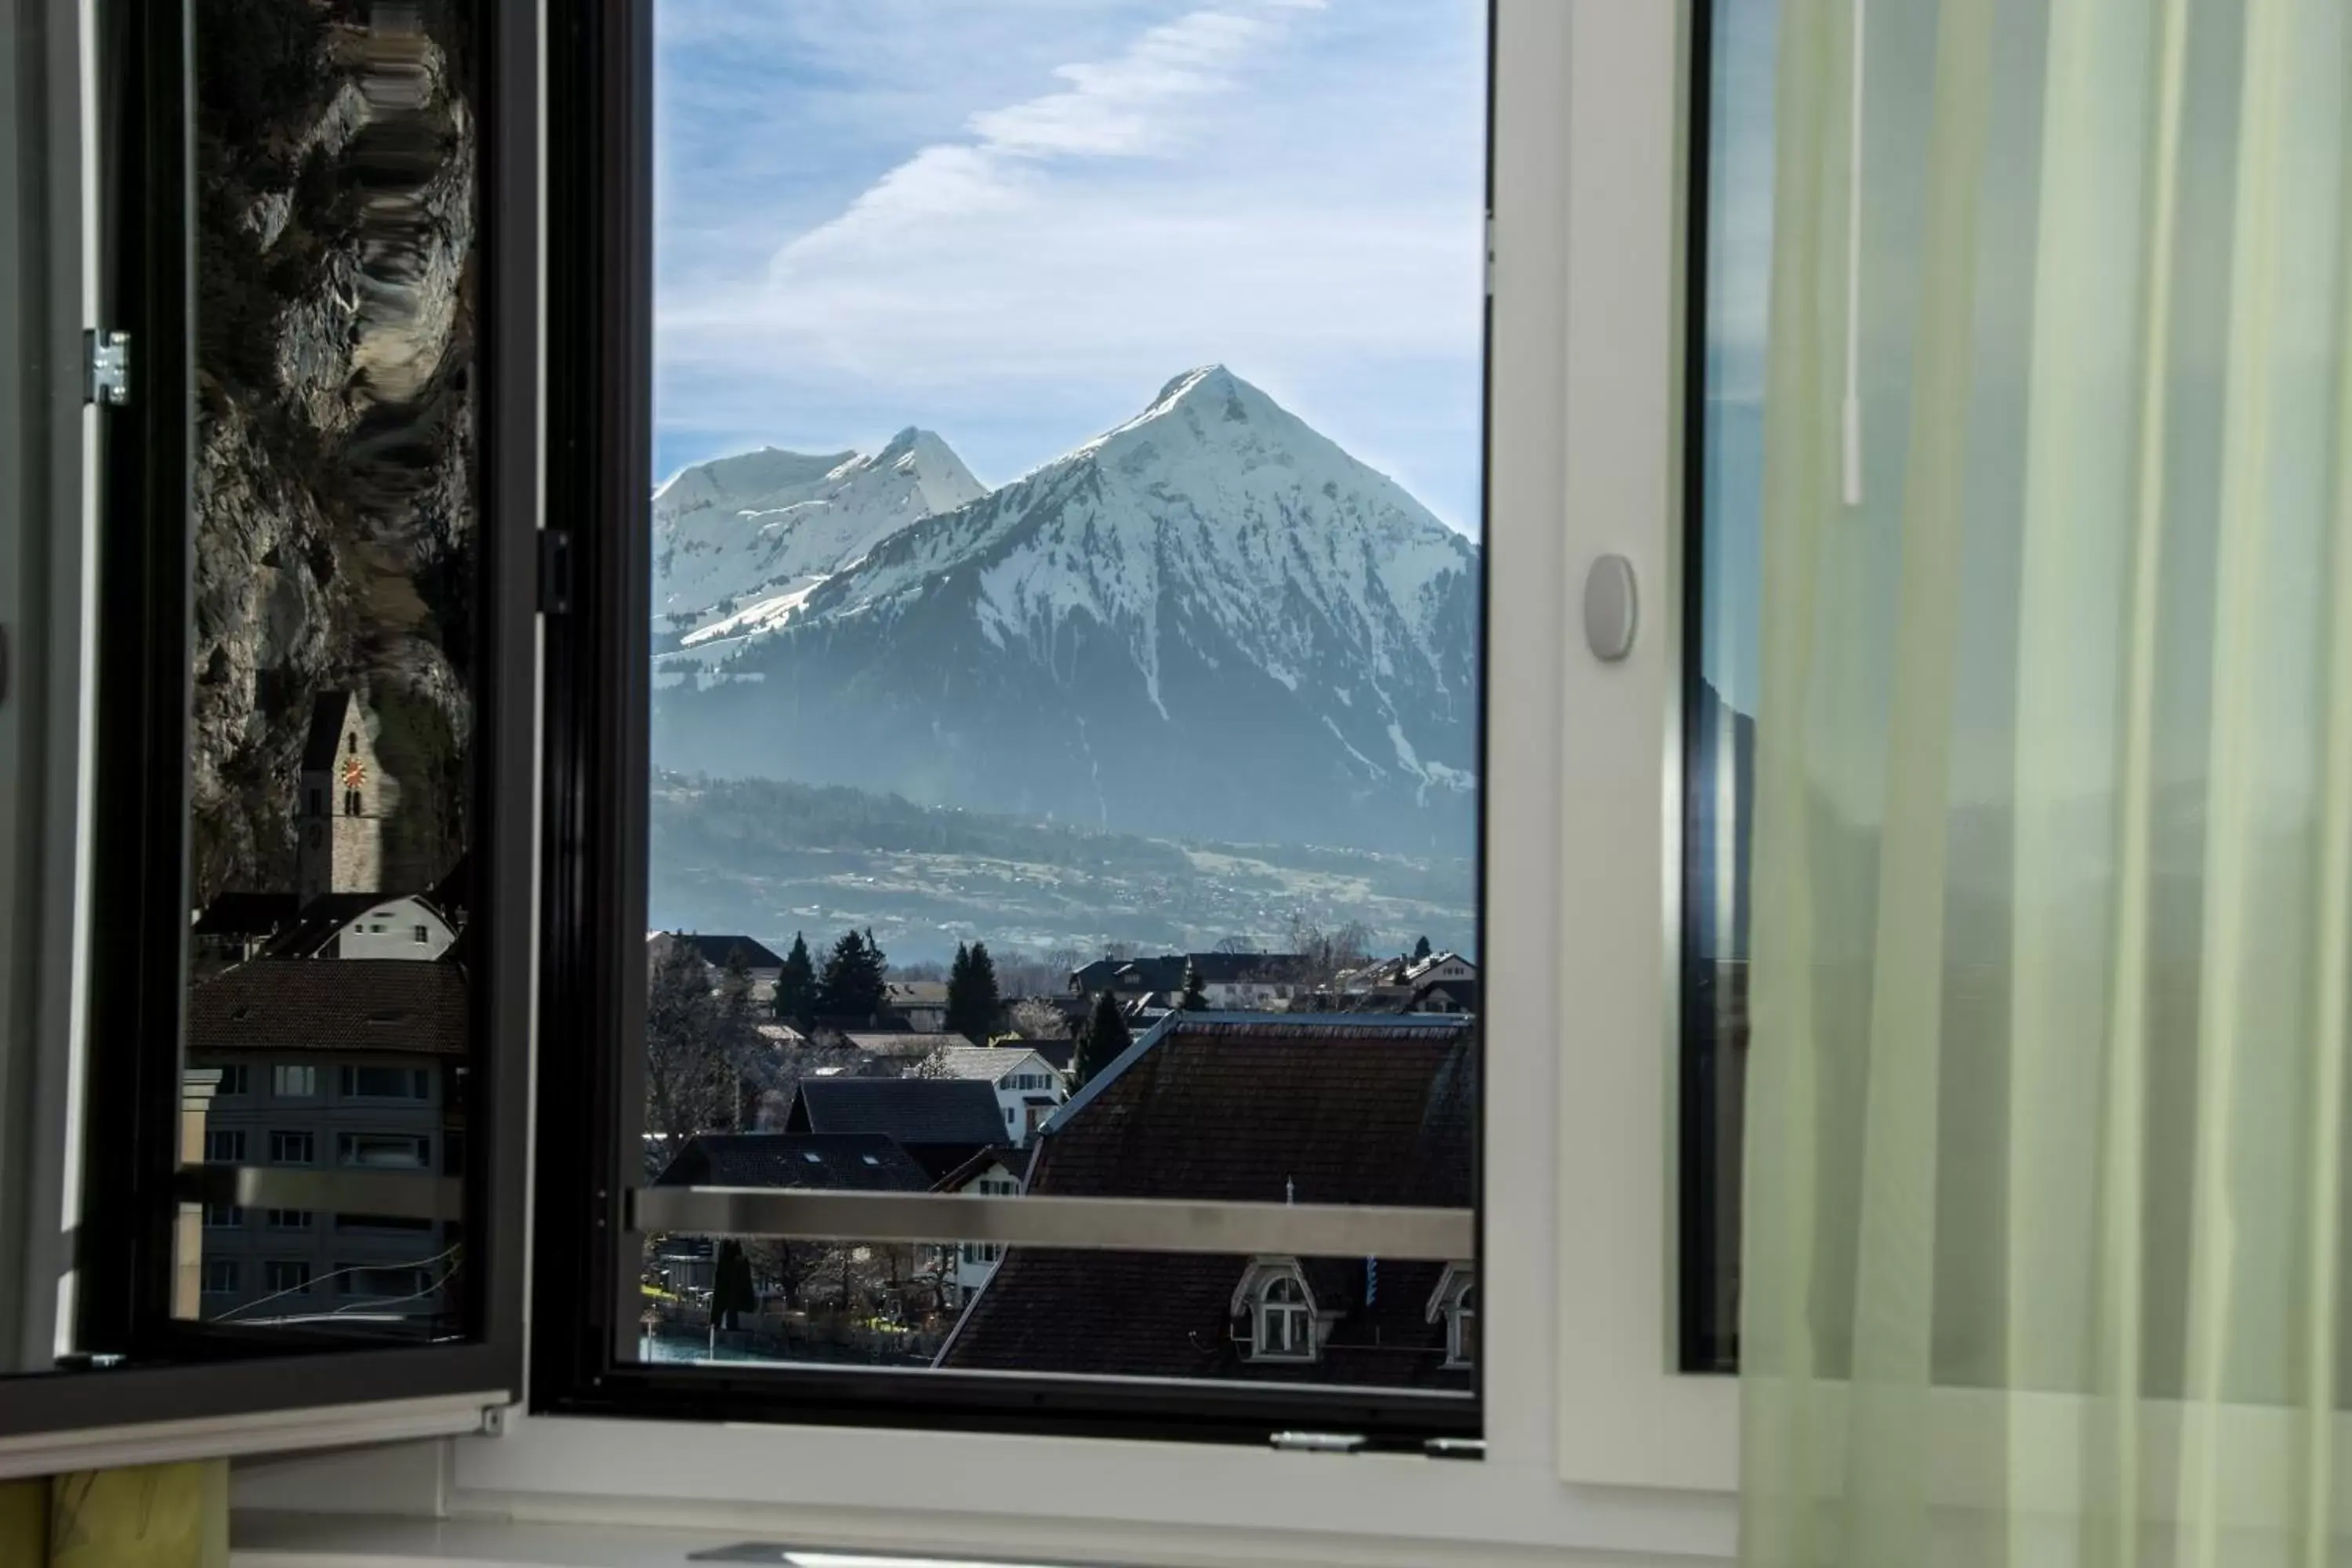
x,y
1323,952
691,1077
1037,1019
1234,944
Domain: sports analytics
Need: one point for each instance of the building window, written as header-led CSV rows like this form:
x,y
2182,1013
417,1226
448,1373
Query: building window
x,y
384,1150
350,802
220,1276
294,1082
225,1148
282,1276
1284,1328
420,935
1455,1300
289,1219
291,1149
223,1217
351,745
380,1222
385,1083
233,1080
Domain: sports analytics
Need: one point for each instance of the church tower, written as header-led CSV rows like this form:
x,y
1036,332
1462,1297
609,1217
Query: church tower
x,y
339,812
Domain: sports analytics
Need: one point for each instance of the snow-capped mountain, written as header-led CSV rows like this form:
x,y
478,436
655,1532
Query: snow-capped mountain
x,y
738,541
1210,621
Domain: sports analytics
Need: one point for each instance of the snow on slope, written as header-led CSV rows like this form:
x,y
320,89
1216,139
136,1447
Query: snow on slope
x,y
1216,498
739,541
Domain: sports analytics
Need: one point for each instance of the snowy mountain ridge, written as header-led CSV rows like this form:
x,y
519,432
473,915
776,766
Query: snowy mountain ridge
x,y
1209,589
739,541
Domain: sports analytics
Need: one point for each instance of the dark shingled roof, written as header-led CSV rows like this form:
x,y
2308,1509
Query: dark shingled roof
x,y
1014,1161
823,1161
246,914
323,918
714,950
1252,1107
332,1005
1166,972
911,1109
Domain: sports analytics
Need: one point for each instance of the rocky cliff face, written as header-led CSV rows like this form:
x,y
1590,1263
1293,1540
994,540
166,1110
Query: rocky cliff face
x,y
334,482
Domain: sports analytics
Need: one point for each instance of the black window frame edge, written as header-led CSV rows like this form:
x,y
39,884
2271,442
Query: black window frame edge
x,y
1698,1116
600,113
145,534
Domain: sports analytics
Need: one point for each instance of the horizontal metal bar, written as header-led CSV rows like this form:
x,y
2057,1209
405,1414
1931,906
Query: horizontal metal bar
x,y
1098,1225
401,1195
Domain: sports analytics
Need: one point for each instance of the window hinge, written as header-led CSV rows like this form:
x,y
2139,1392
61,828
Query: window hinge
x,y
555,572
105,370
1318,1442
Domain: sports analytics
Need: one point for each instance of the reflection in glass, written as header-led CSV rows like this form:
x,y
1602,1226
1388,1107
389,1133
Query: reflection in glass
x,y
1065,600
331,727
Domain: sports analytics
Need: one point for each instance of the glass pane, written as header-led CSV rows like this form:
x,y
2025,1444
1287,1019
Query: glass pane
x,y
1066,602
336,583
1720,702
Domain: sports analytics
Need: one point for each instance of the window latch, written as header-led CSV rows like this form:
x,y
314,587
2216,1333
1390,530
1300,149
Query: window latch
x,y
106,371
1318,1442
555,572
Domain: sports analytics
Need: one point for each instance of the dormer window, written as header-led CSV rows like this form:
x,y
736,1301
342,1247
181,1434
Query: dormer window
x,y
1456,1300
1281,1311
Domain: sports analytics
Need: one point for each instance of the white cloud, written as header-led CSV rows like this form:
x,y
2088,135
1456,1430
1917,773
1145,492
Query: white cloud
x,y
1290,189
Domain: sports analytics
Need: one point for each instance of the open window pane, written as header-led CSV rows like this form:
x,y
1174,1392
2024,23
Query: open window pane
x,y
1064,611
1724,581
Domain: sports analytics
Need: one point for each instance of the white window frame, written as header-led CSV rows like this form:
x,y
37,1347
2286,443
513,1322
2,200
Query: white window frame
x,y
1596,1451
1300,1342
285,1074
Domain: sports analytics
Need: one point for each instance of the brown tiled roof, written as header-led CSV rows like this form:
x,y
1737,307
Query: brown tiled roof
x,y
1324,1109
332,1005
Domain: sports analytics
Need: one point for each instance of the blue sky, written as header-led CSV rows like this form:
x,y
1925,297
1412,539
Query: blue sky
x,y
1012,222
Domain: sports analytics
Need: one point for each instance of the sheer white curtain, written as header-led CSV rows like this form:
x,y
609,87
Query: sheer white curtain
x,y
2052,908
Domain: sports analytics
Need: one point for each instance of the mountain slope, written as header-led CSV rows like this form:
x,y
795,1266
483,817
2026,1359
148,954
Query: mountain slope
x,y
737,540
1209,621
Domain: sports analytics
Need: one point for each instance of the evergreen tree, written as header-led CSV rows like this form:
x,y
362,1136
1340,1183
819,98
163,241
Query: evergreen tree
x,y
796,984
1105,1039
1421,950
975,1005
731,1291
854,985
1196,999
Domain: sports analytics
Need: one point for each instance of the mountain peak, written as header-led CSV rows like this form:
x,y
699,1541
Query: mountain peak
x,y
1206,388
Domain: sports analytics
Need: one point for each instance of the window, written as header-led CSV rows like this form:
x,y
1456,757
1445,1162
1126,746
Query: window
x,y
386,1285
233,1080
351,745
1720,671
385,1083
293,1082
350,802
225,1147
380,1222
1455,1301
1282,452
1284,1319
220,1276
385,1150
289,1219
420,935
291,1149
223,1217
285,1277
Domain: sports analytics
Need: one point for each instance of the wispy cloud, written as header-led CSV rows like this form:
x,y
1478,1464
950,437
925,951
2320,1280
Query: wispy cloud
x,y
1288,186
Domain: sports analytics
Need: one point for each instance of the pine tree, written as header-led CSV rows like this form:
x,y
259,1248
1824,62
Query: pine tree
x,y
854,985
1196,999
796,984
975,1005
1421,950
1106,1039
